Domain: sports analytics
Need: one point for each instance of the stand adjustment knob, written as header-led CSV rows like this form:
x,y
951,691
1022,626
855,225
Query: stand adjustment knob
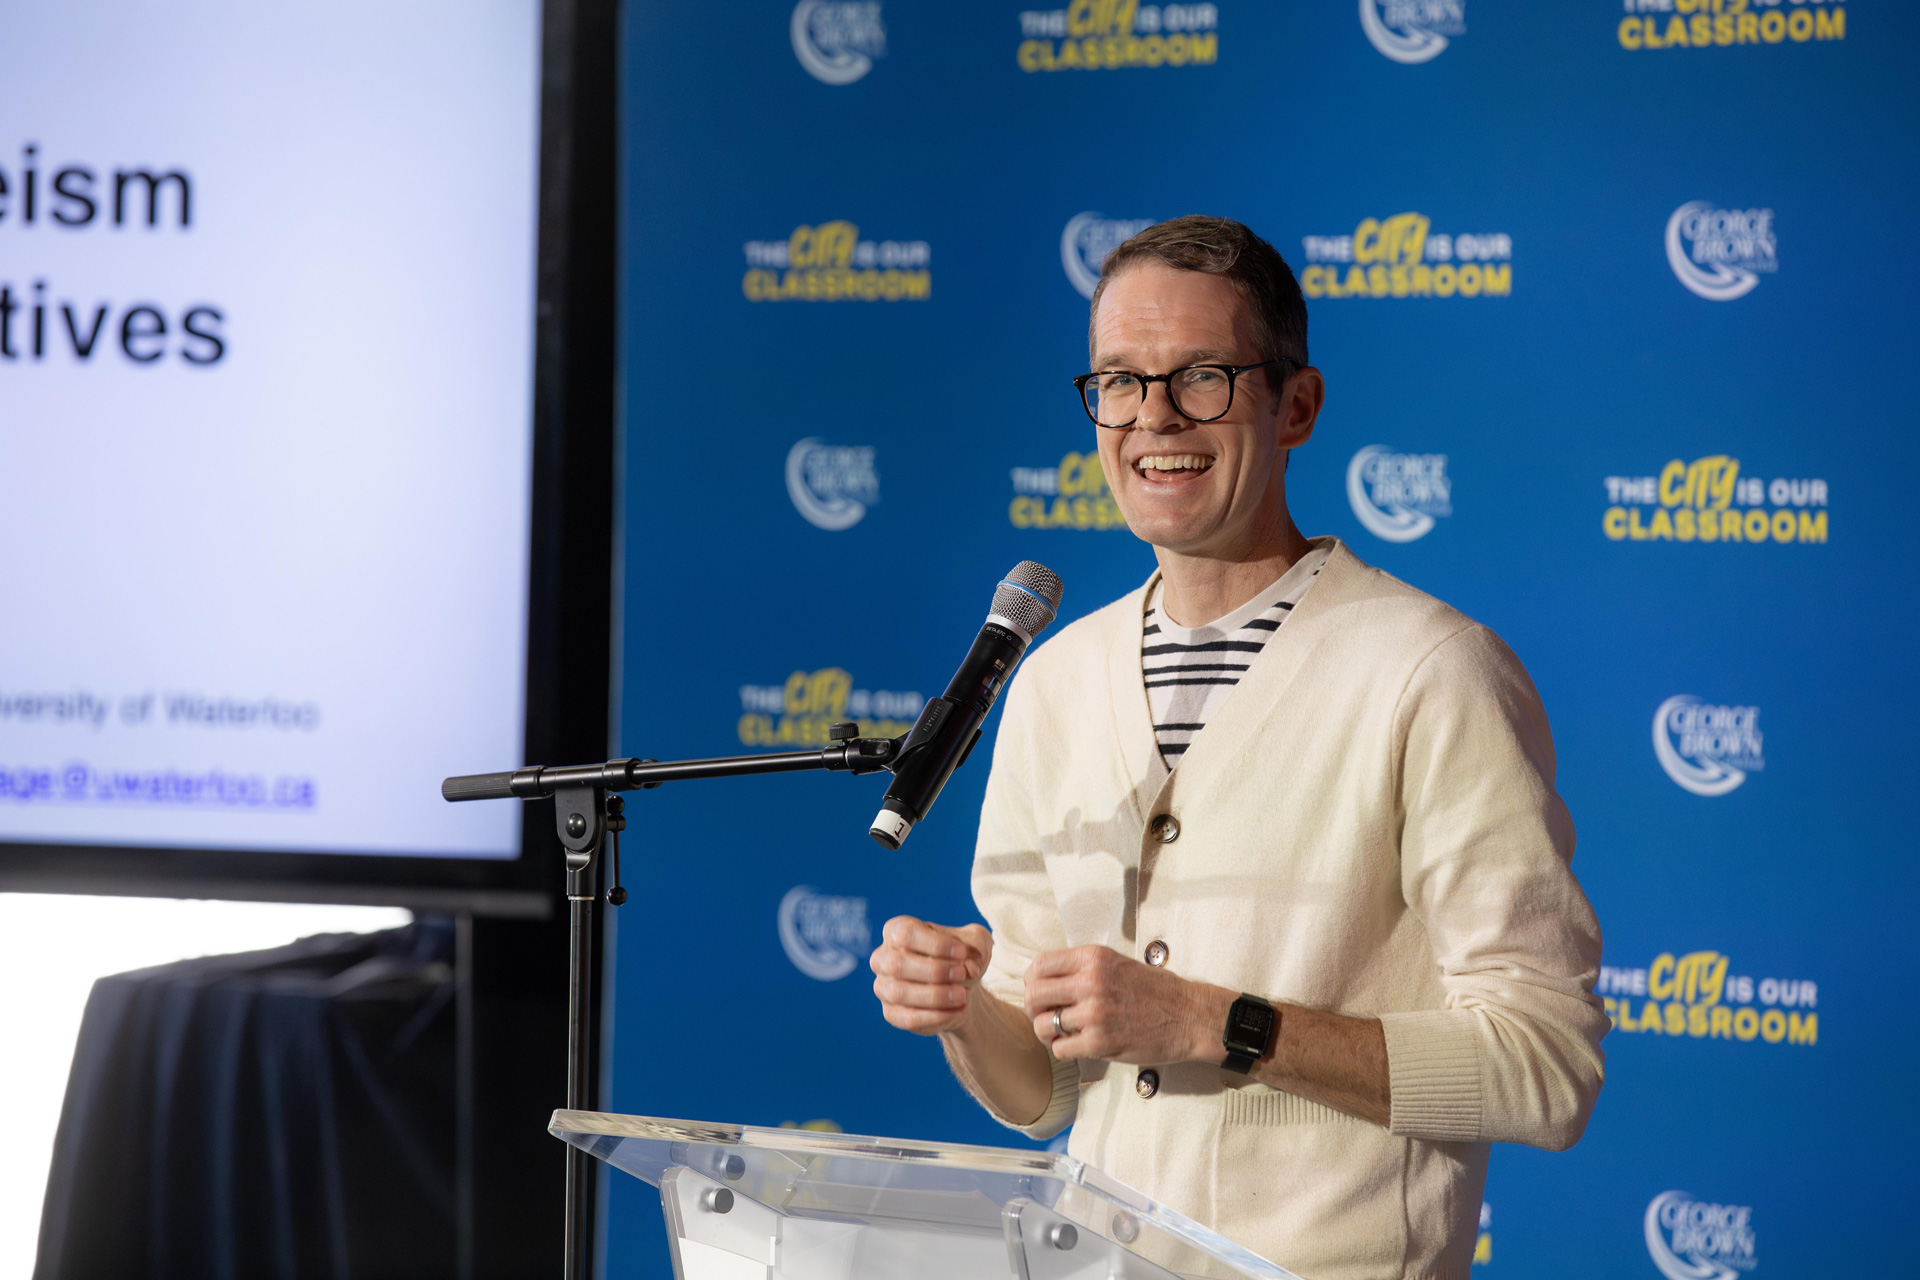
x,y
843,731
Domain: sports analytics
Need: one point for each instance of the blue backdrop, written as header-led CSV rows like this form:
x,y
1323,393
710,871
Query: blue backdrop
x,y
1617,325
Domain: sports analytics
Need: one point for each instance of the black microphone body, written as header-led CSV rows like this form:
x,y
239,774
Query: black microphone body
x,y
948,727
946,730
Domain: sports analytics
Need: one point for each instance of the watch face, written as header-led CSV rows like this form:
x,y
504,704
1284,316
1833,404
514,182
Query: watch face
x,y
1250,1024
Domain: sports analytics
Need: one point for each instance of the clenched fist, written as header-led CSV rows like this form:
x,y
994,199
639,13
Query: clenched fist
x,y
925,974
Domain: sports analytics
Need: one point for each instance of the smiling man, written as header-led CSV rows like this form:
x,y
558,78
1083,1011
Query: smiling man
x,y
1281,913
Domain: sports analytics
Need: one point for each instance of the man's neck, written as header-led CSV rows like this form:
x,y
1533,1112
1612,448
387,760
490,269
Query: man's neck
x,y
1196,590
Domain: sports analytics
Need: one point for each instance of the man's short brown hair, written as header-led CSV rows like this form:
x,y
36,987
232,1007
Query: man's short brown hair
x,y
1223,247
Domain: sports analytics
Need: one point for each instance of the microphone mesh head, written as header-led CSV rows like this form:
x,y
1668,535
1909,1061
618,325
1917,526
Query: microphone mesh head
x,y
1028,597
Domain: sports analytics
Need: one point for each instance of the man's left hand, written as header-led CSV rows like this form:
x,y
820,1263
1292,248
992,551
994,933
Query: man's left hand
x,y
1117,1009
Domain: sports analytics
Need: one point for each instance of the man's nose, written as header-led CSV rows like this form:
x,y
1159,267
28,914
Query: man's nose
x,y
1158,411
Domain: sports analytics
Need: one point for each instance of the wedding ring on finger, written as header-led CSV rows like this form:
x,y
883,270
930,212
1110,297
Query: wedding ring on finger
x,y
1058,1030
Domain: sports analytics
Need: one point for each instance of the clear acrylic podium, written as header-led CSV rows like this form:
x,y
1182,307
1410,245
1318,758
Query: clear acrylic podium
x,y
745,1203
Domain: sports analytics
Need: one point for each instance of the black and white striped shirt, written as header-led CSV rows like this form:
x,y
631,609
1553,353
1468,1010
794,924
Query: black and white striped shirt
x,y
1189,671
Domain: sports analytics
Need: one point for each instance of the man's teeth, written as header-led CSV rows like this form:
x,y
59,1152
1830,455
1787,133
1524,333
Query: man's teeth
x,y
1175,462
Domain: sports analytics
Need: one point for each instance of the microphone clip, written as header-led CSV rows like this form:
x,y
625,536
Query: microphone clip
x,y
857,755
926,729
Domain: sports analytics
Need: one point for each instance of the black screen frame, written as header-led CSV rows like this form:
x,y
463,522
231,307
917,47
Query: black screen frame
x,y
571,586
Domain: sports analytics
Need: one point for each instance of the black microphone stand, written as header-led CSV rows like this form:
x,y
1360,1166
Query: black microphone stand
x,y
586,814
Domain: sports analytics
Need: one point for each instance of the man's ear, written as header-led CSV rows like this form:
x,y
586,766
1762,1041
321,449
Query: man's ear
x,y
1307,396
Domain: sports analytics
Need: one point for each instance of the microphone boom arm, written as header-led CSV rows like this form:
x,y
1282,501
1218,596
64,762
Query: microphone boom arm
x,y
533,782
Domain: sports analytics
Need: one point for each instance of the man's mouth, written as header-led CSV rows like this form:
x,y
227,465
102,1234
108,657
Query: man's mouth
x,y
1170,465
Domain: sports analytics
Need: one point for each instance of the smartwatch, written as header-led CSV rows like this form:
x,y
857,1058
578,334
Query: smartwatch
x,y
1252,1024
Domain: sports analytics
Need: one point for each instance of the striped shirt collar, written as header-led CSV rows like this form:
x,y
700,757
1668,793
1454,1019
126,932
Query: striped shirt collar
x,y
1189,672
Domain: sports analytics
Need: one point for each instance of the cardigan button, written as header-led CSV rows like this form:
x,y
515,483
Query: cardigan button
x,y
1157,953
1165,828
1148,1083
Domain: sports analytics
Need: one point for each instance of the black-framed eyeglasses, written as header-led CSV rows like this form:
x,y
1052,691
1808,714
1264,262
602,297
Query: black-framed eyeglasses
x,y
1200,392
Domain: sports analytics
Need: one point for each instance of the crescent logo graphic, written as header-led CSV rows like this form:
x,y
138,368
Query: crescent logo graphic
x,y
1729,248
1708,750
831,486
1412,31
824,936
1397,495
1087,241
837,42
1692,1240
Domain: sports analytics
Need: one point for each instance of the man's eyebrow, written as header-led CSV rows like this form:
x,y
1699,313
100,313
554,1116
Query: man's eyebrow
x,y
1207,355
1210,355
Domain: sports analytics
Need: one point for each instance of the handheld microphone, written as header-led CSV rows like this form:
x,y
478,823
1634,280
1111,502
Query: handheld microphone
x,y
943,737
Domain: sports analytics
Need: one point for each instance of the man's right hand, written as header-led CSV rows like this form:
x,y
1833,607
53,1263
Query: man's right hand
x,y
925,973
928,979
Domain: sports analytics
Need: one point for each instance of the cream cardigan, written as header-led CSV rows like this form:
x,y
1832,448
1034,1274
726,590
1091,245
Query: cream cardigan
x,y
1368,825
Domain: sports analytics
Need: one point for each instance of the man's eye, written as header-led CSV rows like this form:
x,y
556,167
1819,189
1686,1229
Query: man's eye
x,y
1200,379
1119,383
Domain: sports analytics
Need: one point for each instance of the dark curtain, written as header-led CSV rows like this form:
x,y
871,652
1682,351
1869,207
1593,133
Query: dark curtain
x,y
277,1114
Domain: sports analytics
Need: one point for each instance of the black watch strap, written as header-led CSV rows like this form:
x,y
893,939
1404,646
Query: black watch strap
x,y
1252,1026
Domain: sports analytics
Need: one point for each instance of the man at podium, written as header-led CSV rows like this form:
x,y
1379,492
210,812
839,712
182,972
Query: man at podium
x,y
1278,892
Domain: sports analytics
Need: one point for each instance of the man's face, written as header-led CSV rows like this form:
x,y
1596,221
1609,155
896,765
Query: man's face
x,y
1206,489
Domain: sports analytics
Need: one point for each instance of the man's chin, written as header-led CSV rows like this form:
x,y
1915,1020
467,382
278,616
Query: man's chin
x,y
1181,537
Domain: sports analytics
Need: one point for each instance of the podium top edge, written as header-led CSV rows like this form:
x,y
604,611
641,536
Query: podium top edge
x,y
990,1159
